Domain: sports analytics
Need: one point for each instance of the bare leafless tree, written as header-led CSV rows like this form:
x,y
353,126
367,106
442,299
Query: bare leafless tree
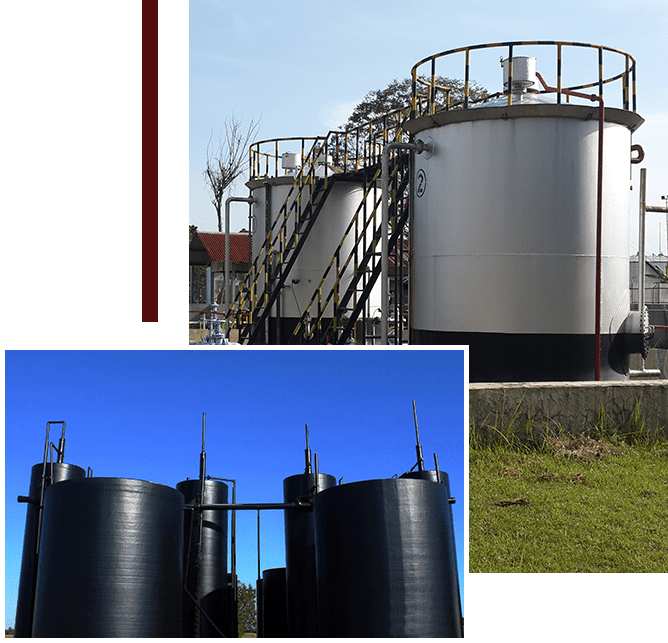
x,y
229,161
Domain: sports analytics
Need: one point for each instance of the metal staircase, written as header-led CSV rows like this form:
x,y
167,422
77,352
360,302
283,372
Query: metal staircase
x,y
366,229
352,155
278,270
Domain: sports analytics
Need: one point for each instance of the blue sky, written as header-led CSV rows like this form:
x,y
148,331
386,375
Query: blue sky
x,y
135,414
302,66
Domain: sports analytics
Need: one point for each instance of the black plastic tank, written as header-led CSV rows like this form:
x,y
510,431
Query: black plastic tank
x,y
274,603
385,560
300,553
111,561
28,579
206,578
440,476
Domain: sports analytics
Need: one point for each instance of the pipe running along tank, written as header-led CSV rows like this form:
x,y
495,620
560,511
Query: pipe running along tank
x,y
521,219
111,560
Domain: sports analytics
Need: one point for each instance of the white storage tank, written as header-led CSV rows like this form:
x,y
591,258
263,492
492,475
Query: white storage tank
x,y
346,197
505,230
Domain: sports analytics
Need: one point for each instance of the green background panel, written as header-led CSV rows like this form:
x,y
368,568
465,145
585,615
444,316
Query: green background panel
x,y
71,240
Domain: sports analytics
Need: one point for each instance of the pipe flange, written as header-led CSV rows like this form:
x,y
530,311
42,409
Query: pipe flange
x,y
647,332
426,147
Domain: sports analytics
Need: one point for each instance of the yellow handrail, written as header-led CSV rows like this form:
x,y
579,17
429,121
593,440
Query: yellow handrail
x,y
423,76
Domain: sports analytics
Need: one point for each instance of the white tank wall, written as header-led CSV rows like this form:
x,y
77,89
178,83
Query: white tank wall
x,y
505,233
342,202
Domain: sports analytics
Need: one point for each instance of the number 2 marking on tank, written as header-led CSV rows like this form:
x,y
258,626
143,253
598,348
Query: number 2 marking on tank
x,y
421,183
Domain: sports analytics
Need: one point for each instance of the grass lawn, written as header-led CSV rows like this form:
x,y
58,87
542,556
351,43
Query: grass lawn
x,y
570,505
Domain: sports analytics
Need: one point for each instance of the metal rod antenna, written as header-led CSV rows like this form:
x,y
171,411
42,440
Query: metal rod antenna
x,y
418,447
200,494
438,471
308,453
202,457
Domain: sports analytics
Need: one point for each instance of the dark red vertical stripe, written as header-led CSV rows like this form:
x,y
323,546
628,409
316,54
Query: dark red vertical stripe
x,y
149,291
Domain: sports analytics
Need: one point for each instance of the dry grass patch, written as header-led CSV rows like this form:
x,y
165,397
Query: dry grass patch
x,y
582,448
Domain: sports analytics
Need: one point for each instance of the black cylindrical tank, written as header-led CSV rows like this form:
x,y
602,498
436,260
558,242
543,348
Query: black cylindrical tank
x,y
111,560
28,580
442,477
274,604
385,560
206,578
300,554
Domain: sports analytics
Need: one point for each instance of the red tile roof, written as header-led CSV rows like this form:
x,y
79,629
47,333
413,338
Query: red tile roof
x,y
214,243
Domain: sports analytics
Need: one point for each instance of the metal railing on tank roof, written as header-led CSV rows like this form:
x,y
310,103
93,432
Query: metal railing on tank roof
x,y
427,93
349,150
264,155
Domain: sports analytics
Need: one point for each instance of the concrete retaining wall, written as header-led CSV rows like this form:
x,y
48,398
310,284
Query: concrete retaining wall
x,y
575,407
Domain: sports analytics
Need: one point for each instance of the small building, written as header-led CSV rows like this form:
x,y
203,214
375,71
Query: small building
x,y
656,284
207,268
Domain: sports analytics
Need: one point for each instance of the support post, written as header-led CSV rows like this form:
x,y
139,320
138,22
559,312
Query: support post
x,y
228,287
417,147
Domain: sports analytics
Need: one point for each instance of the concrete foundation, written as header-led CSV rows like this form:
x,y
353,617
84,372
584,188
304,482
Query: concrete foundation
x,y
574,407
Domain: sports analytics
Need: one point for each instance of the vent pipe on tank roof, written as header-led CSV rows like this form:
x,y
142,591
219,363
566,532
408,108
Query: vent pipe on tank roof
x,y
418,447
61,447
308,454
521,71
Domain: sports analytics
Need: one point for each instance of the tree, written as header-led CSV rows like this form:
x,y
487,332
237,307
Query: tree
x,y
398,94
246,610
228,162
